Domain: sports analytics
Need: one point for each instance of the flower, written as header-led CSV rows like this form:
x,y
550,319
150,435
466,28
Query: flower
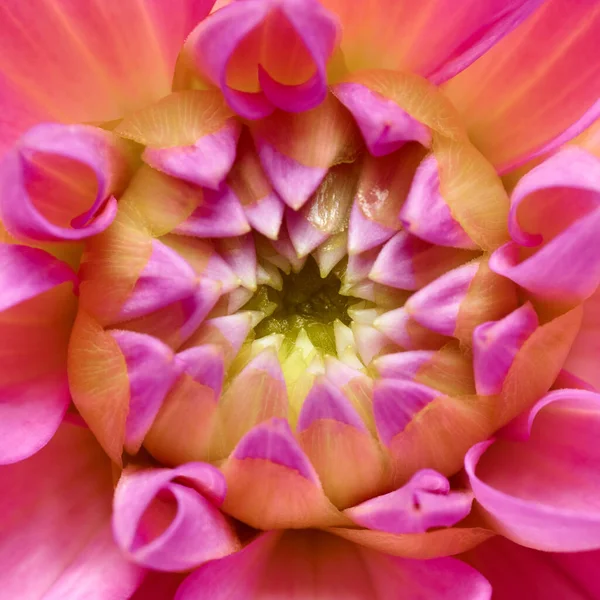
x,y
298,299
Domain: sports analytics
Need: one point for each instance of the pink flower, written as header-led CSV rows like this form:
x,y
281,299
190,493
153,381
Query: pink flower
x,y
299,299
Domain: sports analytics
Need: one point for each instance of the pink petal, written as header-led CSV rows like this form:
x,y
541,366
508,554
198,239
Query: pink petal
x,y
55,534
266,215
314,564
544,105
191,162
151,372
495,345
59,182
219,215
304,236
190,134
119,56
239,253
250,38
402,36
437,305
542,492
395,403
364,233
166,278
424,502
36,309
271,483
519,573
169,519
402,329
334,437
402,365
384,125
583,355
206,364
559,199
426,214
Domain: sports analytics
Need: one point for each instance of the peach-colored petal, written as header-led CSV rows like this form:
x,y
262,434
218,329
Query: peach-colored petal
x,y
512,122
119,56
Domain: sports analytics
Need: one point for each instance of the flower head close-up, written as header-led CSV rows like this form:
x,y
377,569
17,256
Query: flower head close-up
x,y
299,299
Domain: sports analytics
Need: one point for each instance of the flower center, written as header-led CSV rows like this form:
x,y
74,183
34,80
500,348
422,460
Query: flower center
x,y
305,301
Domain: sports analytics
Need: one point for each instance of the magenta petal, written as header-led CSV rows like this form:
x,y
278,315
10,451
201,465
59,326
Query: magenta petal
x,y
219,215
543,492
402,365
436,305
364,234
151,371
304,236
166,278
266,215
30,413
206,163
27,272
273,441
169,519
240,254
205,364
384,125
326,401
39,205
495,345
55,539
295,183
424,502
396,402
426,214
393,265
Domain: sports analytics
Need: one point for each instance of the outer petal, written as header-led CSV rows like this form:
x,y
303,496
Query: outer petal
x,y
169,519
119,56
400,35
55,537
544,105
264,54
311,564
518,573
542,492
36,308
59,182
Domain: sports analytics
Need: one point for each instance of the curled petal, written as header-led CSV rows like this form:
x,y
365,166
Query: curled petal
x,y
541,492
265,57
191,135
496,343
271,483
555,206
59,182
424,502
545,105
169,519
318,564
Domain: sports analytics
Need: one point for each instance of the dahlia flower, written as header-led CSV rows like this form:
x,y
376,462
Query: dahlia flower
x,y
299,299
